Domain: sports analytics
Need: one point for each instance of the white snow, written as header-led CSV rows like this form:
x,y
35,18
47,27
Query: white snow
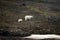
x,y
46,36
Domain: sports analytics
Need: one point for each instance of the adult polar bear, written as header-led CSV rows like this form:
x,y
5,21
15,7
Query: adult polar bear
x,y
28,17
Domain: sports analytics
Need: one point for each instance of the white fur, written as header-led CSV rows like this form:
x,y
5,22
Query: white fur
x,y
20,20
38,36
28,17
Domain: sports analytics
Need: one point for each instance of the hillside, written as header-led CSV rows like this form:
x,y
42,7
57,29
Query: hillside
x,y
46,17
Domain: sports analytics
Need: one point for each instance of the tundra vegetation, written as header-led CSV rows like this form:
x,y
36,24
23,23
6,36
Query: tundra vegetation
x,y
46,17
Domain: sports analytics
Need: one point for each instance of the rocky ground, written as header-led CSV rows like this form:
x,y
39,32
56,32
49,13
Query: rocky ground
x,y
46,17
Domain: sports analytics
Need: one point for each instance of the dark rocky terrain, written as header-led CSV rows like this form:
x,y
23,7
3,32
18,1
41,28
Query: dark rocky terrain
x,y
46,17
